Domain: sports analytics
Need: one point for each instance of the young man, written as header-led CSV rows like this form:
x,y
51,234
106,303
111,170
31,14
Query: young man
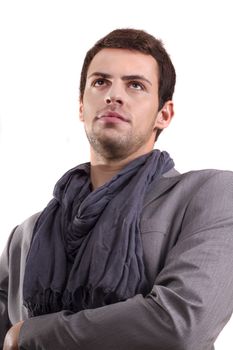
x,y
129,254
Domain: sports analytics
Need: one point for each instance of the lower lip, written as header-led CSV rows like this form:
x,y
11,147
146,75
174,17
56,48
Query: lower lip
x,y
112,120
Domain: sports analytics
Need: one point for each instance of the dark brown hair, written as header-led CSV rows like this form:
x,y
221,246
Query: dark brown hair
x,y
139,40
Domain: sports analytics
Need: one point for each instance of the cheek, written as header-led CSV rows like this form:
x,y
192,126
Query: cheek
x,y
90,107
87,104
92,103
147,110
92,96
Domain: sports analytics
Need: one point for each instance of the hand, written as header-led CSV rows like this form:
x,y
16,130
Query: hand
x,y
12,336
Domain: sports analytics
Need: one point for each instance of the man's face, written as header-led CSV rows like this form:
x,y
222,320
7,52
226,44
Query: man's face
x,y
120,103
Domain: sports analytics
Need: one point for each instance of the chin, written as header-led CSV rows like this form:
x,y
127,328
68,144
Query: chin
x,y
110,149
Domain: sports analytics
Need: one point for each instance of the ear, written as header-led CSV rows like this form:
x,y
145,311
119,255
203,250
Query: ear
x,y
81,111
164,116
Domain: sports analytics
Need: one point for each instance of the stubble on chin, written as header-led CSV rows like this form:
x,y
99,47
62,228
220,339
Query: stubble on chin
x,y
113,144
111,148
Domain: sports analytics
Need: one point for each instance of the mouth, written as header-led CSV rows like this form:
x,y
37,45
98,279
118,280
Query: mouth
x,y
112,117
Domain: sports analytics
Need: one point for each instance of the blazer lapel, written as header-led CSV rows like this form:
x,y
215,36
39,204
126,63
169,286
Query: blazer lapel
x,y
158,187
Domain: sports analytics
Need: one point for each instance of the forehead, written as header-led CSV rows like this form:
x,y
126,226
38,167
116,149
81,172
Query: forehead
x,y
124,62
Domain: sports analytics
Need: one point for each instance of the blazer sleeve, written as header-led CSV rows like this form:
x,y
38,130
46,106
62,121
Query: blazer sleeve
x,y
5,323
191,301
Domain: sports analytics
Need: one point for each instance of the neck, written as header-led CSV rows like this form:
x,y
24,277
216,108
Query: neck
x,y
102,169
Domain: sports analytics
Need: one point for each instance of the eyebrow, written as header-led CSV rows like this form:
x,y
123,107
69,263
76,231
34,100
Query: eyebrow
x,y
124,77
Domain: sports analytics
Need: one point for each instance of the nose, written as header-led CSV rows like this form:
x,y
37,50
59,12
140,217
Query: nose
x,y
115,94
113,100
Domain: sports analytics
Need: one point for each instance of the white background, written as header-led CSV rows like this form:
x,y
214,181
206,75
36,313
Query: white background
x,y
42,46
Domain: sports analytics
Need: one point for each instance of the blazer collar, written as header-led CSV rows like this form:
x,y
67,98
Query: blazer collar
x,y
158,187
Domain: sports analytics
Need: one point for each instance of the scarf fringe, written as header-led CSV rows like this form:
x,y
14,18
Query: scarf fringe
x,y
44,303
84,297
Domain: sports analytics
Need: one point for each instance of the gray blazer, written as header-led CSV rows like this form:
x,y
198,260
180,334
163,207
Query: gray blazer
x,y
187,234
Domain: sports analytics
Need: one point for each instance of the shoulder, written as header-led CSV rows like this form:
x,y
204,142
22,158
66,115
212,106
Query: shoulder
x,y
187,184
200,179
210,181
182,204
210,202
198,175
207,174
178,192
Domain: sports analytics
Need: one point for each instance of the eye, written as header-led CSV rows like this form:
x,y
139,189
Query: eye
x,y
136,85
99,82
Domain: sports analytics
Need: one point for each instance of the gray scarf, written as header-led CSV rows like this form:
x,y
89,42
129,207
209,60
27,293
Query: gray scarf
x,y
86,250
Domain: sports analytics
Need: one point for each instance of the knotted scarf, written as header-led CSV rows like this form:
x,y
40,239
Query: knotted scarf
x,y
86,249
